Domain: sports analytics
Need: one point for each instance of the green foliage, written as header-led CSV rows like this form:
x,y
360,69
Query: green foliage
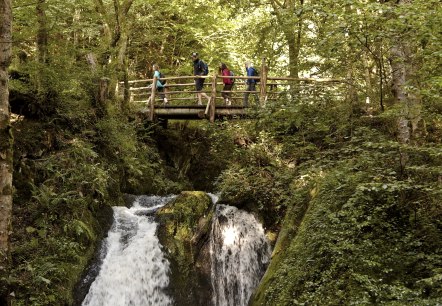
x,y
184,225
58,229
370,233
361,242
256,176
363,212
129,148
72,185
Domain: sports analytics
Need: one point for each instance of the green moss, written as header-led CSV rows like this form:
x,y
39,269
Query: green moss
x,y
193,154
182,218
356,243
184,227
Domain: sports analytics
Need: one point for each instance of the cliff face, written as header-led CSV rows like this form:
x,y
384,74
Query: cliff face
x,y
184,229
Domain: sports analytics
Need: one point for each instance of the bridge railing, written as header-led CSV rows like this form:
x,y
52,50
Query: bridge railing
x,y
180,90
184,92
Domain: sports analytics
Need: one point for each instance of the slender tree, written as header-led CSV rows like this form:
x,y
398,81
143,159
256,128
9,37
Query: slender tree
x,y
5,136
290,16
42,32
405,83
41,40
116,30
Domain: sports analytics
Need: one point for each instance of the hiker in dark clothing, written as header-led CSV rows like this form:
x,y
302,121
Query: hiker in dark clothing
x,y
199,69
250,83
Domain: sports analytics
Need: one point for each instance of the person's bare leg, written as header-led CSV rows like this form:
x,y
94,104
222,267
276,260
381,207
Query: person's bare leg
x,y
206,96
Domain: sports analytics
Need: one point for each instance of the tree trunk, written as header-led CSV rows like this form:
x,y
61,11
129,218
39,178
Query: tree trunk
x,y
41,40
411,126
116,42
294,44
5,139
405,86
121,31
42,32
292,29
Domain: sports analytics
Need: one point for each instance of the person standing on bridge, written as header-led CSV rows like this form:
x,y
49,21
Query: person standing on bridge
x,y
159,85
228,83
250,83
199,69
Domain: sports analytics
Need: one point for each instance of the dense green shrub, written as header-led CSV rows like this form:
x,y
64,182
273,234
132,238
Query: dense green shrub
x,y
366,228
55,231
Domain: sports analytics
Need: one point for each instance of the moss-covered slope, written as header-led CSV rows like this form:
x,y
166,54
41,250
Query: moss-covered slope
x,y
349,240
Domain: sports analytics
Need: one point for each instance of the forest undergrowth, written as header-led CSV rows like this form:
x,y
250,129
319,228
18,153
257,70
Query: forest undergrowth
x,y
355,213
71,164
358,214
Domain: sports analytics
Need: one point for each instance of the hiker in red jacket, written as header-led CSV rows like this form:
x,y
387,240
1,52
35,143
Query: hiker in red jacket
x,y
228,83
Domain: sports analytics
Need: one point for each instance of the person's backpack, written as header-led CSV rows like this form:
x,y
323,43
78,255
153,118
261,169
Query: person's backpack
x,y
163,82
203,67
232,80
255,73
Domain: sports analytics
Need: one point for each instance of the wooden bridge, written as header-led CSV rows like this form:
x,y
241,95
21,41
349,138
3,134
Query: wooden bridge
x,y
182,100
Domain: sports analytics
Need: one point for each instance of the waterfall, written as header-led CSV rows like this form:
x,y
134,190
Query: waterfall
x,y
240,253
134,270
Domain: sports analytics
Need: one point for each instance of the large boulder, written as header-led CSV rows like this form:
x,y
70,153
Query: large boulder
x,y
184,231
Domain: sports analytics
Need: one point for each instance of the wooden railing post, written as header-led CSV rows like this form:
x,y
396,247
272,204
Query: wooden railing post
x,y
152,99
213,100
263,89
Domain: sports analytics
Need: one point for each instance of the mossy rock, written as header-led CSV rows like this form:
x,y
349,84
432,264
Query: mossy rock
x,y
184,228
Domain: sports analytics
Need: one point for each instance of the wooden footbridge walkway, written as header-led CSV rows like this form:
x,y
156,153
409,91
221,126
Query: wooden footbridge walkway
x,y
182,100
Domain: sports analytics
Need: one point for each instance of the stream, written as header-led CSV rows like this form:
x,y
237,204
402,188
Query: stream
x,y
135,271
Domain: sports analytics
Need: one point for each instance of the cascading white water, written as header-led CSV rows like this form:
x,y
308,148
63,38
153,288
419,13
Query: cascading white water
x,y
134,269
240,253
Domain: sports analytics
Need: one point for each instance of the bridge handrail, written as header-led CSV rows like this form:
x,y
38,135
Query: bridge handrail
x,y
182,77
267,88
215,77
239,77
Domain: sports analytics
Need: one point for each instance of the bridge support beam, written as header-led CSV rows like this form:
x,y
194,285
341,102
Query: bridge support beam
x,y
212,101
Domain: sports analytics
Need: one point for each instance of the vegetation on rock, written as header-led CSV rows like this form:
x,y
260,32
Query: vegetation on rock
x,y
184,228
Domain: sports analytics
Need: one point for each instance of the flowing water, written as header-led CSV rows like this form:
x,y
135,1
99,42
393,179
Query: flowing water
x,y
134,270
240,253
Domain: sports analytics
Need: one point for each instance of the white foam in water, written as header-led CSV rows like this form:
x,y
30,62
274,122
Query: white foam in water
x,y
240,253
134,270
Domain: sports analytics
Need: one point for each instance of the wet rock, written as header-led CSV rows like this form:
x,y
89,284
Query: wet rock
x,y
184,230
